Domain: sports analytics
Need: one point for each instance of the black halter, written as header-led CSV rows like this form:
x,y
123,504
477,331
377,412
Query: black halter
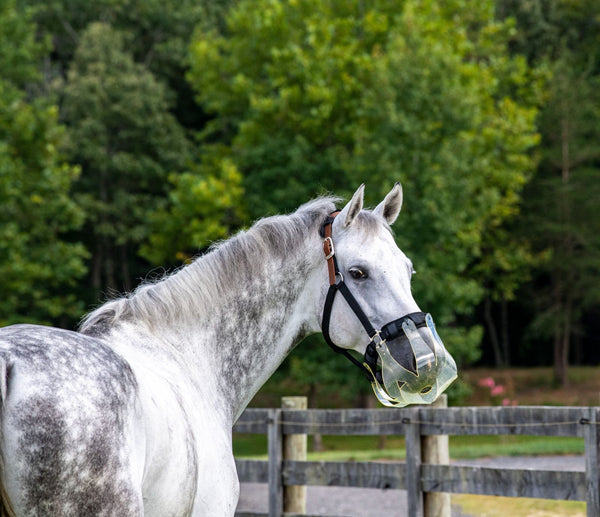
x,y
389,331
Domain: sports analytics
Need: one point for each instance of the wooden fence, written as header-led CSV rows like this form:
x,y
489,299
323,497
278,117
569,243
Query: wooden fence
x,y
416,476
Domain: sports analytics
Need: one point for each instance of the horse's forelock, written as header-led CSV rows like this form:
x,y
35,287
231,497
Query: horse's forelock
x,y
369,223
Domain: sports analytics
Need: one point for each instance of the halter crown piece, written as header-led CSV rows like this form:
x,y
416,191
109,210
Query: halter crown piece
x,y
395,384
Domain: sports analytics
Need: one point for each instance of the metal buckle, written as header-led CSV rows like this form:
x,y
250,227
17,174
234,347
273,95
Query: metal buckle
x,y
377,339
328,242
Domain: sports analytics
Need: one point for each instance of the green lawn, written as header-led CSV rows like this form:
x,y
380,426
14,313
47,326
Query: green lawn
x,y
366,448
491,506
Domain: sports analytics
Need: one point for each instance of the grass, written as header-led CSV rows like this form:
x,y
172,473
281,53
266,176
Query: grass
x,y
488,506
365,448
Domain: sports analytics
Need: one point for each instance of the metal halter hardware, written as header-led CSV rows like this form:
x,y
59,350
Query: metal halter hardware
x,y
435,362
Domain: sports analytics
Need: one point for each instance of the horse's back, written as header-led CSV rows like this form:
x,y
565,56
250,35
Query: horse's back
x,y
68,425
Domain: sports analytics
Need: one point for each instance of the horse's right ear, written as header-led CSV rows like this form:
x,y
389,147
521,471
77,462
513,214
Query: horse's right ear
x,y
390,207
354,206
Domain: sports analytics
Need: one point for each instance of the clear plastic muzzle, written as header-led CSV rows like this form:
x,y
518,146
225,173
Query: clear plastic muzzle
x,y
435,368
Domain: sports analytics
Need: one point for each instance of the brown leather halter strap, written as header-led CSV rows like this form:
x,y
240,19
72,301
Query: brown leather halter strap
x,y
328,248
336,283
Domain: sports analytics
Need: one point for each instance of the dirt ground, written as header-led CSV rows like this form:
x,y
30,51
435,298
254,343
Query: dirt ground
x,y
533,387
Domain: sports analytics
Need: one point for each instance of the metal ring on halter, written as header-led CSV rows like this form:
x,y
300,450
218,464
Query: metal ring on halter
x,y
375,337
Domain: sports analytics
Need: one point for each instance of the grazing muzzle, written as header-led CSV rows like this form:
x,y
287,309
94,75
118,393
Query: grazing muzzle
x,y
406,361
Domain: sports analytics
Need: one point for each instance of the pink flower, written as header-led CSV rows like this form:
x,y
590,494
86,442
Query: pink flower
x,y
488,382
508,402
498,390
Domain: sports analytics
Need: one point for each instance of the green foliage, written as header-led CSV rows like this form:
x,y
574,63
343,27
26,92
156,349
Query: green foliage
x,y
561,202
20,52
126,142
201,208
314,96
116,68
37,264
158,33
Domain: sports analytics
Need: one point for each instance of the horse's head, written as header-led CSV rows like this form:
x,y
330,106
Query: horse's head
x,y
404,357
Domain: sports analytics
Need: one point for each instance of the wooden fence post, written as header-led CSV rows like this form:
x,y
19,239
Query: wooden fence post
x,y
435,449
294,448
275,449
414,492
592,459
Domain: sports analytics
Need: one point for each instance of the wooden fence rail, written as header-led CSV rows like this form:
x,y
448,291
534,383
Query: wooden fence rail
x,y
415,476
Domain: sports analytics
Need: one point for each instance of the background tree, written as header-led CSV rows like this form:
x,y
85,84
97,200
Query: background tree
x,y
118,68
202,207
158,34
312,95
561,201
126,142
38,265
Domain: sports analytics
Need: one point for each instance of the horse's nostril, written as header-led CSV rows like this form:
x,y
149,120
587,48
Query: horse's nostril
x,y
426,390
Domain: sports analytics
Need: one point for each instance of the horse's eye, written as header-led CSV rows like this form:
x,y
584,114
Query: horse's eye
x,y
358,273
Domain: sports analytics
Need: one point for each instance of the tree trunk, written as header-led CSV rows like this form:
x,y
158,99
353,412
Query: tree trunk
x,y
566,342
125,273
562,287
492,331
504,331
97,261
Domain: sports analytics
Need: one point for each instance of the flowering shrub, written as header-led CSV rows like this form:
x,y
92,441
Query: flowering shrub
x,y
496,391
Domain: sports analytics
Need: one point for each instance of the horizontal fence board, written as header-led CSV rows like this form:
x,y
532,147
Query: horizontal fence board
x,y
252,471
522,420
363,474
285,514
253,421
542,484
329,421
348,474
347,421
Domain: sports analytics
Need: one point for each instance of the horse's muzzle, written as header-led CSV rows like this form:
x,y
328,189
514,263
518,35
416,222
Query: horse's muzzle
x,y
415,367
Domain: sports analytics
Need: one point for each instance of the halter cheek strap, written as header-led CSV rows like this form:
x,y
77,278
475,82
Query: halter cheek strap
x,y
336,283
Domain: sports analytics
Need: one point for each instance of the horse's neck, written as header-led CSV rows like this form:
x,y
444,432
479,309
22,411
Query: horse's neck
x,y
238,333
258,326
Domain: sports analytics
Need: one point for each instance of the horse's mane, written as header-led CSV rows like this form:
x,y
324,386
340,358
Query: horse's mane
x,y
205,279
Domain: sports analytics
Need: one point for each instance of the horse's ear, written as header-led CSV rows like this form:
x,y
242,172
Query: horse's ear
x,y
354,206
390,207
